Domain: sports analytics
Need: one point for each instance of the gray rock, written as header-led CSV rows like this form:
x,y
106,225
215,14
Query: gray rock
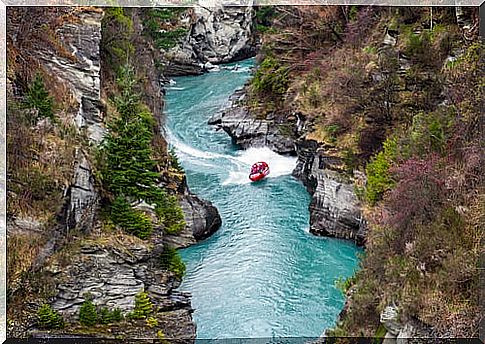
x,y
248,131
202,220
390,319
81,196
114,278
217,34
201,216
334,208
81,73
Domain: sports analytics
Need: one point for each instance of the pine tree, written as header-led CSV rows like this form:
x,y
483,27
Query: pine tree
x,y
88,315
105,316
49,318
38,98
117,315
129,170
143,306
171,260
132,220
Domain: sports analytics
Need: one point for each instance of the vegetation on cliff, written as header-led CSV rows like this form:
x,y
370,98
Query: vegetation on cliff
x,y
44,149
396,94
128,170
163,27
41,145
127,159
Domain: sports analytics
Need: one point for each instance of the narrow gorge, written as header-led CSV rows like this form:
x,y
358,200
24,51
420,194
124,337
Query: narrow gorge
x,y
130,212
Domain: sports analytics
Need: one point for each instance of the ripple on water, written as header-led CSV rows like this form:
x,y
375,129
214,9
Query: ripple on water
x,y
262,274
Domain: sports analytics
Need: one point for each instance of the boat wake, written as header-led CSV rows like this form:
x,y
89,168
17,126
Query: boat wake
x,y
279,165
236,167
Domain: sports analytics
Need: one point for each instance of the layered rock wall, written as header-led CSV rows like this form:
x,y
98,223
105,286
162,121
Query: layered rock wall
x,y
217,34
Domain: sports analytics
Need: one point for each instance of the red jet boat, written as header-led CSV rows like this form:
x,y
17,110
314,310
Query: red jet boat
x,y
258,171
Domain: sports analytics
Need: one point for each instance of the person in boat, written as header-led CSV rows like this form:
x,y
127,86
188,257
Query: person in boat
x,y
254,169
258,168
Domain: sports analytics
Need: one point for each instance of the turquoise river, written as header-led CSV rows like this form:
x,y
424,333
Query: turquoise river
x,y
262,274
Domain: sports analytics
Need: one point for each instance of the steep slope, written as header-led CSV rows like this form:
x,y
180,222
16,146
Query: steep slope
x,y
382,107
193,40
78,264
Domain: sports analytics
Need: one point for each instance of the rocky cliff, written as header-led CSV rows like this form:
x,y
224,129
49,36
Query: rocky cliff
x,y
215,34
73,254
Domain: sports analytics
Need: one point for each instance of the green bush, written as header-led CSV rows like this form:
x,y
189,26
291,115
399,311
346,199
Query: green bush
x,y
171,260
169,39
49,318
379,179
418,46
271,78
156,18
116,42
332,131
428,132
173,216
165,14
88,315
143,306
129,219
38,98
107,316
344,284
174,161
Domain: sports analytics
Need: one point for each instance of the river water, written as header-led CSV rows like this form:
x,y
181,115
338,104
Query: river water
x,y
262,274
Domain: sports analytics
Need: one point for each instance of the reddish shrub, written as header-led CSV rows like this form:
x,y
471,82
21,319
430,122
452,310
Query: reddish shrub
x,y
419,192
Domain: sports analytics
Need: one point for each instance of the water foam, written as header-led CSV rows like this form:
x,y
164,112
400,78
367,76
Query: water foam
x,y
188,151
238,166
279,165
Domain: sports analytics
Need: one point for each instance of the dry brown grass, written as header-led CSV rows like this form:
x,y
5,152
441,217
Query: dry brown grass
x,y
22,249
40,163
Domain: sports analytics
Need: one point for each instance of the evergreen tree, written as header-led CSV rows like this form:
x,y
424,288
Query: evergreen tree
x,y
88,315
49,318
133,221
143,306
116,314
105,316
129,171
171,260
174,161
38,98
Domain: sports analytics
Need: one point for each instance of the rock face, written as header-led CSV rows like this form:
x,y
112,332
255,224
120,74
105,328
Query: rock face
x,y
82,197
409,332
217,34
81,73
334,208
248,131
222,34
201,216
113,271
